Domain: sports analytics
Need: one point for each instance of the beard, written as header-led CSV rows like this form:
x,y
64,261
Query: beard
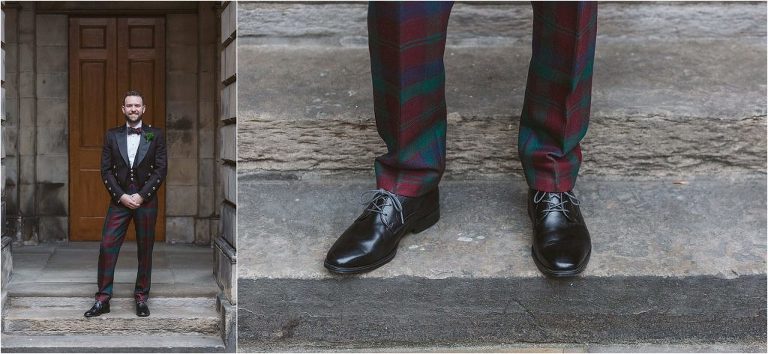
x,y
129,120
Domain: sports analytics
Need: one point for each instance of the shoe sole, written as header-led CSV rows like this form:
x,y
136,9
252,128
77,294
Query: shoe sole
x,y
419,226
560,273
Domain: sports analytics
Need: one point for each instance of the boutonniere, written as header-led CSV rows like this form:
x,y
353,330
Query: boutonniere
x,y
149,136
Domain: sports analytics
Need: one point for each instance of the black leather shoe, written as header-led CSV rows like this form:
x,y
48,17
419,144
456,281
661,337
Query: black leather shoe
x,y
142,310
371,241
561,243
97,309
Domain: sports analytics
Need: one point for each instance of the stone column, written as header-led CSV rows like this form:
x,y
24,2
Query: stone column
x,y
207,213
52,129
7,259
225,245
181,127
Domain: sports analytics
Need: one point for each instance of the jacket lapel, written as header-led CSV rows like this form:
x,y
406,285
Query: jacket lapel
x,y
122,144
143,147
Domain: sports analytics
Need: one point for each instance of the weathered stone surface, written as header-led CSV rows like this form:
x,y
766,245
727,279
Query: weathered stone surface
x,y
228,138
630,78
671,227
180,200
53,228
229,182
281,314
228,222
53,140
63,315
50,112
52,59
53,168
51,29
202,231
181,86
182,57
178,29
491,24
52,85
225,268
142,343
228,317
633,146
182,172
53,199
180,229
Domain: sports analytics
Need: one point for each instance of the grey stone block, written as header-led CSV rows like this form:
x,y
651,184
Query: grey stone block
x,y
10,23
228,223
52,85
51,29
26,61
27,199
10,140
228,110
51,111
202,231
181,201
624,145
180,229
142,343
228,26
228,142
229,60
11,113
181,86
7,261
228,317
182,172
53,228
181,115
182,58
229,182
206,137
53,169
178,27
181,144
52,199
225,270
52,59
53,139
27,169
26,142
206,202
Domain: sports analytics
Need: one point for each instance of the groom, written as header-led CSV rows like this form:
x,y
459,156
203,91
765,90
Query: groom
x,y
407,43
133,166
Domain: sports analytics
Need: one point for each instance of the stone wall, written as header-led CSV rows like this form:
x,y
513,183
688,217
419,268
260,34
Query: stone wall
x,y
225,245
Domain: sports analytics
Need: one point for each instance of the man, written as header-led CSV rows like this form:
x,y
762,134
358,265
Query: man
x,y
407,43
133,166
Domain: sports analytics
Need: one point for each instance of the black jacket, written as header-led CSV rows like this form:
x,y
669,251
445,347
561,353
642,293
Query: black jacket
x,y
150,165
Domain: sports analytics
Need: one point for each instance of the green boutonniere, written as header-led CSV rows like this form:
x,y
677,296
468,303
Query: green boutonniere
x,y
149,136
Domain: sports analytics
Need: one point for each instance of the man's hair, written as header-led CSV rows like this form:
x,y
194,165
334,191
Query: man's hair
x,y
133,93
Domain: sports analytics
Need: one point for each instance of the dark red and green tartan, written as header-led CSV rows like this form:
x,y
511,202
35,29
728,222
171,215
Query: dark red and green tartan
x,y
407,43
112,237
558,93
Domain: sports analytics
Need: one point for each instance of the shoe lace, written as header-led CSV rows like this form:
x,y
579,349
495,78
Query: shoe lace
x,y
380,198
551,207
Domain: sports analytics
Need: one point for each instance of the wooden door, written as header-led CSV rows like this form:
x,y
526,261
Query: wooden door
x,y
107,57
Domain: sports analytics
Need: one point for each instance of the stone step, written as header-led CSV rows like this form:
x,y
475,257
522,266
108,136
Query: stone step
x,y
674,261
144,343
64,316
666,99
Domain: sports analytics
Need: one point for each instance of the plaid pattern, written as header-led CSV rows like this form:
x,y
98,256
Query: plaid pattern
x,y
407,43
113,234
558,94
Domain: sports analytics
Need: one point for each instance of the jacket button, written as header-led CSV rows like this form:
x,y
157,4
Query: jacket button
x,y
148,194
153,188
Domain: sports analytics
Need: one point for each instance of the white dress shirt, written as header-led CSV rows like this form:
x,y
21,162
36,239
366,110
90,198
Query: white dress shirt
x,y
133,144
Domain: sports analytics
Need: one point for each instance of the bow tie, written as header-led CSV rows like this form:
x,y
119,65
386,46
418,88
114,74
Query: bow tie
x,y
134,130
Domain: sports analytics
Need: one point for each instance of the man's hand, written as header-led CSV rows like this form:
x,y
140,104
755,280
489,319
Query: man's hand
x,y
129,201
137,198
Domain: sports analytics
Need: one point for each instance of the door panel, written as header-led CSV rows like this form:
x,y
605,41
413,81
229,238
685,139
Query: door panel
x,y
107,57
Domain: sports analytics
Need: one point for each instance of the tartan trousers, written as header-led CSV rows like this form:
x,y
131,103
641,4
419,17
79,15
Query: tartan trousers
x,y
112,237
407,43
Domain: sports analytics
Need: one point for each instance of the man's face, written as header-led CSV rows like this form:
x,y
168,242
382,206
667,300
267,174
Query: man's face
x,y
133,109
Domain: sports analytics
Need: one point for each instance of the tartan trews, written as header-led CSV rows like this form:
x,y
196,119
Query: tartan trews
x,y
113,235
406,42
558,93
